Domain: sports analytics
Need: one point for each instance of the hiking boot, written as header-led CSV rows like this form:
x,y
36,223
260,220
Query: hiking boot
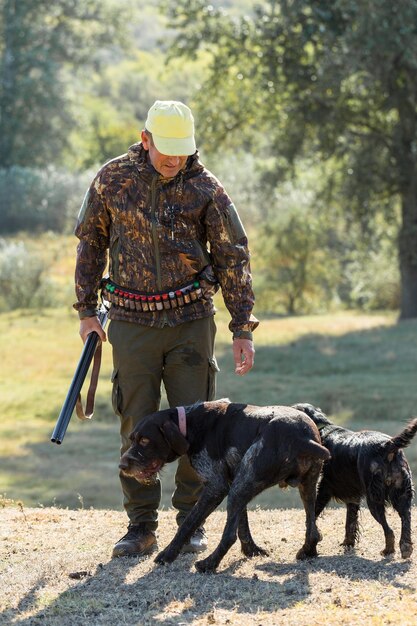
x,y
138,541
197,543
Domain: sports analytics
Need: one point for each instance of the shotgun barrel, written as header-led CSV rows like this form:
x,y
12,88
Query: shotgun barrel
x,y
78,380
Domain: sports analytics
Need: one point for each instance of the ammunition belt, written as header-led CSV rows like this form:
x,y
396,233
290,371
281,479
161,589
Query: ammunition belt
x,y
139,301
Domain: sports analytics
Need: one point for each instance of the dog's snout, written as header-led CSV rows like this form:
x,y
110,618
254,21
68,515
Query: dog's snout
x,y
124,463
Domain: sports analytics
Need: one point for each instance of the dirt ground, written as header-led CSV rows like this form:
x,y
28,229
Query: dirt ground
x,y
55,570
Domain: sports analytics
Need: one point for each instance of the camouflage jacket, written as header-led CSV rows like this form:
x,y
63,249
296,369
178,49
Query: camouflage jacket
x,y
157,234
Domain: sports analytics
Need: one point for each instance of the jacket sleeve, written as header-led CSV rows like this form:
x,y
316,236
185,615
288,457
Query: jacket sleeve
x,y
93,232
231,260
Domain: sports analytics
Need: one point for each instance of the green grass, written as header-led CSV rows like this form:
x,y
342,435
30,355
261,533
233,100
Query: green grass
x,y
361,369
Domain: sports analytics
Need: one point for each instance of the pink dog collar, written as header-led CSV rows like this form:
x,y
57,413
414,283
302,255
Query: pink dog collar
x,y
182,420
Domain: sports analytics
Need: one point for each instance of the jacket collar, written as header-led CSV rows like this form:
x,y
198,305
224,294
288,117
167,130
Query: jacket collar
x,y
139,156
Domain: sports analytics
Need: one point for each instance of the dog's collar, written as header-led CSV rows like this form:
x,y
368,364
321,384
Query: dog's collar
x,y
182,420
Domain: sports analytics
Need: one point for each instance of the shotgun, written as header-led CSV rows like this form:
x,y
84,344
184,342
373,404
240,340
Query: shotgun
x,y
73,395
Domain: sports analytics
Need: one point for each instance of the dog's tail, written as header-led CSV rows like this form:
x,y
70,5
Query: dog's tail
x,y
316,414
316,449
403,439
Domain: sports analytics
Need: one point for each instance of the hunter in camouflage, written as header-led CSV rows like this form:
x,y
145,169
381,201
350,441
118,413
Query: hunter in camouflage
x,y
157,232
171,237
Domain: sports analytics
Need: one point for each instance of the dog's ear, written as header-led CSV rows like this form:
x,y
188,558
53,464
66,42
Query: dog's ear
x,y
173,436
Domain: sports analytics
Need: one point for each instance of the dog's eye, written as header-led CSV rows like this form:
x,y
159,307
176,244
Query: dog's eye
x,y
143,441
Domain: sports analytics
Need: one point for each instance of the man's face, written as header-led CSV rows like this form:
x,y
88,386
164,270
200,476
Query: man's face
x,y
168,166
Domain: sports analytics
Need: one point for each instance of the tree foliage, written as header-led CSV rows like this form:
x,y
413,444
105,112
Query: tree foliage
x,y
298,274
333,79
41,46
113,110
320,92
307,259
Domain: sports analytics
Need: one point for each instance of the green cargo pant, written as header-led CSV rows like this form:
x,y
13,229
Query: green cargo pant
x,y
182,358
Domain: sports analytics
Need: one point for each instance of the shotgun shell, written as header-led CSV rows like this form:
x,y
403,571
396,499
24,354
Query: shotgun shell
x,y
197,288
180,299
113,298
187,298
165,301
144,302
109,293
138,304
151,303
173,300
132,302
119,293
158,302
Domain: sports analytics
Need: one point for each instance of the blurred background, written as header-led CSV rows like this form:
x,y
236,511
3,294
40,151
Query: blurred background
x,y
307,113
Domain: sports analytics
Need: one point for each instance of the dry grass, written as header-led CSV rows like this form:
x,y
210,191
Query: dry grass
x,y
55,570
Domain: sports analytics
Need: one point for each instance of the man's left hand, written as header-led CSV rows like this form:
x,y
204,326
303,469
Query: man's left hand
x,y
244,355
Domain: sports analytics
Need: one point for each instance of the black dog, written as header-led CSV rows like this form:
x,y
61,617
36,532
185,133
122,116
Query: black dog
x,y
238,450
366,464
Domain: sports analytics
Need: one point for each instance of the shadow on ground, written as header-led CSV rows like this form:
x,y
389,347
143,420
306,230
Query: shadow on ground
x,y
168,595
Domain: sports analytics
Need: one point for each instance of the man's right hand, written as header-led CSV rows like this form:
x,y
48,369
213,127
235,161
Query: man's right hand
x,y
89,325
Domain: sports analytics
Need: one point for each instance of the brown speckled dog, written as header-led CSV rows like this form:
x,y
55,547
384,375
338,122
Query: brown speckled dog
x,y
238,450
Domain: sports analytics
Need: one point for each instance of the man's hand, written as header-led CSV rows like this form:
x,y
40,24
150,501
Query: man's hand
x,y
89,325
244,355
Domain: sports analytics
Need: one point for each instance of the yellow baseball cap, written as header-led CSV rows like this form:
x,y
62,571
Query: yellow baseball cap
x,y
172,126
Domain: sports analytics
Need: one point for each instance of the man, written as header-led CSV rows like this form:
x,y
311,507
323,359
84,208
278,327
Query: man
x,y
154,211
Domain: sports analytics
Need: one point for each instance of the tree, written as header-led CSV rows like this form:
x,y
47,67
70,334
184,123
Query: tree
x,y
42,43
330,78
297,274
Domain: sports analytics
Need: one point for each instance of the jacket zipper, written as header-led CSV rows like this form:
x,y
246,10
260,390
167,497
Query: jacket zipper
x,y
164,316
155,233
172,216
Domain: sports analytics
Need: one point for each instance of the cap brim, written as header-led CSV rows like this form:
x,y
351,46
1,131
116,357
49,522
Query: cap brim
x,y
173,146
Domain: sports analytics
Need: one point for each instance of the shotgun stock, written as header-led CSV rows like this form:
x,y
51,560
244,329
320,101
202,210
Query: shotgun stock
x,y
78,380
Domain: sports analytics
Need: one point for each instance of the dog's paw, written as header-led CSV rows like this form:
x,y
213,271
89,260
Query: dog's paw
x,y
406,550
165,557
387,552
305,553
252,549
206,566
348,545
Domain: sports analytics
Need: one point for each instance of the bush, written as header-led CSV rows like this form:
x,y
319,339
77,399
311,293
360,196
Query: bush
x,y
296,269
298,273
23,278
39,200
309,258
374,279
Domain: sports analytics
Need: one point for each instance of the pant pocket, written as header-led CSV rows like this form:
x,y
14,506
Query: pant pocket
x,y
212,373
116,396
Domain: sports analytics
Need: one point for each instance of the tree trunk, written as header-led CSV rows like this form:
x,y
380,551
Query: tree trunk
x,y
406,96
408,253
